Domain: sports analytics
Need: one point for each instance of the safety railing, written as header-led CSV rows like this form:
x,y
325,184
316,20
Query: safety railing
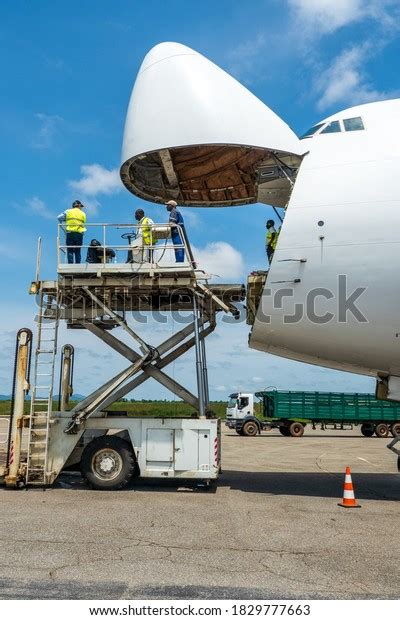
x,y
164,245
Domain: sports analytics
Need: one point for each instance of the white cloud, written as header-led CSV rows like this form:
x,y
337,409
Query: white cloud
x,y
244,58
221,388
325,16
220,258
97,180
346,82
38,207
48,128
191,217
320,17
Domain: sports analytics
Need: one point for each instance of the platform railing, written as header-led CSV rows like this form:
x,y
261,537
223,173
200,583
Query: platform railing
x,y
157,244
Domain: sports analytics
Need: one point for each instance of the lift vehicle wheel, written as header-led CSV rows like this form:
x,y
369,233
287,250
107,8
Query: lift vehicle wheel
x,y
108,463
284,430
395,429
250,429
367,430
381,430
296,429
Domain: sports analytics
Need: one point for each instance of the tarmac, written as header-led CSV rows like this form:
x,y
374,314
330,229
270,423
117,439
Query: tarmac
x,y
271,529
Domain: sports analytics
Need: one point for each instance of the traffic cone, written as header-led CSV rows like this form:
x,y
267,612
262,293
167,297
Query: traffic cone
x,y
349,501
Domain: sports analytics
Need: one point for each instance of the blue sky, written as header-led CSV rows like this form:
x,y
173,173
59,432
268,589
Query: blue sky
x,y
67,72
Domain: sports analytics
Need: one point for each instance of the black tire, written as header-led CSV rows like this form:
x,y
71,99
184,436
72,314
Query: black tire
x,y
367,430
284,431
250,428
239,432
106,452
395,429
296,429
381,430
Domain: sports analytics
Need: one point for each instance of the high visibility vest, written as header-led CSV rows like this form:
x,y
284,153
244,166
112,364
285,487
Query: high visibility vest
x,y
272,238
147,236
75,220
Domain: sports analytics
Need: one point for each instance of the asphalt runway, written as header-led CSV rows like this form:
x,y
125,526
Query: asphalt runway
x,y
271,529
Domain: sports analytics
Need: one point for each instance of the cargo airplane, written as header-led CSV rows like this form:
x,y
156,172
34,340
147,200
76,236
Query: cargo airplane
x,y
331,296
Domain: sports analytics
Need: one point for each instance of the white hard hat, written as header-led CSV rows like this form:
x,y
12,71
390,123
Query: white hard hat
x,y
172,203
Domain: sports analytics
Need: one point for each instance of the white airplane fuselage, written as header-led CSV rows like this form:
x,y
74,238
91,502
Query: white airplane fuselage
x,y
343,221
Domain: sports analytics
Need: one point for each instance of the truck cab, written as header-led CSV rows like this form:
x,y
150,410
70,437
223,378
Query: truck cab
x,y
240,414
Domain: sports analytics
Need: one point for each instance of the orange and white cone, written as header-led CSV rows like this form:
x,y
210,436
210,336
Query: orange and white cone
x,y
349,500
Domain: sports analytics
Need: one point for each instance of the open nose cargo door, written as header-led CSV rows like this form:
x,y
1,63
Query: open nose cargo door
x,y
195,135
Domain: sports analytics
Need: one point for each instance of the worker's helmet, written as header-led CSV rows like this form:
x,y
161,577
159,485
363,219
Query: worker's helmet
x,y
171,204
270,223
77,203
139,213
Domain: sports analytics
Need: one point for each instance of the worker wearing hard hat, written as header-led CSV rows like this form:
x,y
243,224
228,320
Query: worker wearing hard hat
x,y
177,230
271,239
75,220
144,231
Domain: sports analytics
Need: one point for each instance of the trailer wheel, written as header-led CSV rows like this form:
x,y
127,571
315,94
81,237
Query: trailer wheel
x,y
381,430
367,430
108,463
296,429
250,429
284,431
395,429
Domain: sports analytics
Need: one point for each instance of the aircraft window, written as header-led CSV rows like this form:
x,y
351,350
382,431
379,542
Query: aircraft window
x,y
353,124
312,131
333,127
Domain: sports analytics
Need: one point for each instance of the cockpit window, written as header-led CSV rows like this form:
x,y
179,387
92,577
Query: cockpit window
x,y
353,124
332,127
311,131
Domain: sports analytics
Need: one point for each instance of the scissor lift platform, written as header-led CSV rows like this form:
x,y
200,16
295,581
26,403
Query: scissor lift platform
x,y
99,298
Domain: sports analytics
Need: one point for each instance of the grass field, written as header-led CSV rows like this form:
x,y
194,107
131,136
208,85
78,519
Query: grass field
x,y
154,408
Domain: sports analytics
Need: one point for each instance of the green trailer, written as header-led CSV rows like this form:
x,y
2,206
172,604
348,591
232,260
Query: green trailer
x,y
291,411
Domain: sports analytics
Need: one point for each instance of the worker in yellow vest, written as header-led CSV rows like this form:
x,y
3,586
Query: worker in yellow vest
x,y
271,239
74,219
144,232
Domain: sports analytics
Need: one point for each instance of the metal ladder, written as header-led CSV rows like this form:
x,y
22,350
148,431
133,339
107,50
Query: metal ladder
x,y
42,389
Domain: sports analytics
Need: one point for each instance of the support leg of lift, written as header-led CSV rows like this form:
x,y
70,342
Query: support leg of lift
x,y
24,339
66,375
199,362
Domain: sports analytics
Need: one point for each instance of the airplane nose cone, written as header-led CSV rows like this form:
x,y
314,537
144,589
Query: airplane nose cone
x,y
164,51
194,134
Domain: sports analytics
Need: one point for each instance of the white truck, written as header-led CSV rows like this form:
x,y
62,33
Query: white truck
x,y
240,415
